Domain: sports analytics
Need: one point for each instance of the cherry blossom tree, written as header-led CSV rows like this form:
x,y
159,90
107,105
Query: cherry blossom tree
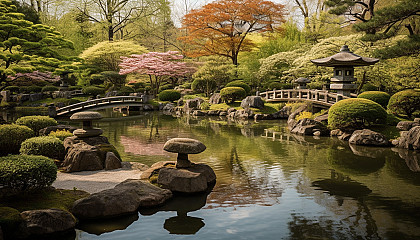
x,y
157,65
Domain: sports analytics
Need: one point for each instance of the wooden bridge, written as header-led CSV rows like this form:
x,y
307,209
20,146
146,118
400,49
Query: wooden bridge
x,y
101,103
321,98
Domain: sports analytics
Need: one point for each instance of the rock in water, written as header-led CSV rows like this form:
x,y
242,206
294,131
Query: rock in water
x,y
123,199
252,102
410,139
215,99
368,137
46,221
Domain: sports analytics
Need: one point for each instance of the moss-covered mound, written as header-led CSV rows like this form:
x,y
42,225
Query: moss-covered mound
x,y
382,98
231,94
406,103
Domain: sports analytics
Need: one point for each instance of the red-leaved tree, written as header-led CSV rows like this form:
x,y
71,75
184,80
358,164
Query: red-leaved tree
x,y
157,65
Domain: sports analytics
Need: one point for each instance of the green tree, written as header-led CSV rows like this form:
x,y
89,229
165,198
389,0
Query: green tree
x,y
26,46
105,56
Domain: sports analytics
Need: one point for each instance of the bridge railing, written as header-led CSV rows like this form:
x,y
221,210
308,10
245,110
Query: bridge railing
x,y
320,96
99,102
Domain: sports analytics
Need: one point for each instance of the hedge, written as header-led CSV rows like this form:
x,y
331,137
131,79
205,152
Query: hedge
x,y
11,136
239,83
47,146
61,134
231,94
93,91
27,172
36,123
355,113
405,102
377,96
49,88
169,95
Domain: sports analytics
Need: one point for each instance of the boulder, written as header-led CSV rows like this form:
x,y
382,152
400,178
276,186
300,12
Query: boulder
x,y
125,198
112,161
336,132
291,122
322,119
180,102
252,102
46,221
308,126
93,141
197,178
406,125
243,114
82,157
192,104
35,97
282,114
215,99
168,108
47,130
198,113
410,139
368,137
345,136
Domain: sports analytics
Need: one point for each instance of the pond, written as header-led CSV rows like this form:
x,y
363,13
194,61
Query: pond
x,y
270,184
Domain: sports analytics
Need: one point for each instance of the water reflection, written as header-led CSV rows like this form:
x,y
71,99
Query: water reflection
x,y
99,227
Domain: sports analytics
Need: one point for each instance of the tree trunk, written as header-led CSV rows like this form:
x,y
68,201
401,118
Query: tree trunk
x,y
362,83
110,33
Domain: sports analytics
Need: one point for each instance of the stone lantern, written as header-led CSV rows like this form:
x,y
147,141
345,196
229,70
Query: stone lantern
x,y
302,82
343,64
87,129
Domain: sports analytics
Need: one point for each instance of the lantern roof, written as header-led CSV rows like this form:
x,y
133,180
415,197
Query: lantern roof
x,y
345,58
302,80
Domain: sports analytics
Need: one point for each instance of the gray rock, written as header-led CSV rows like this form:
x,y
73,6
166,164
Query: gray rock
x,y
368,137
291,122
322,119
410,139
345,136
169,107
308,127
46,221
215,99
192,104
35,97
125,198
112,161
196,178
282,114
336,132
82,157
94,141
252,102
406,125
230,110
317,133
84,116
242,114
148,107
180,102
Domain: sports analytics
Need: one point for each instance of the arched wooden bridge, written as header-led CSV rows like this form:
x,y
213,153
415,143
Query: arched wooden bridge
x,y
320,98
101,103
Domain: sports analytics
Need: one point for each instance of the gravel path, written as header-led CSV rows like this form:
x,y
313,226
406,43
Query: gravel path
x,y
96,181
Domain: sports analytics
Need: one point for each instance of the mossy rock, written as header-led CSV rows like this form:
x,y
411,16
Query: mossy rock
x,y
9,219
108,148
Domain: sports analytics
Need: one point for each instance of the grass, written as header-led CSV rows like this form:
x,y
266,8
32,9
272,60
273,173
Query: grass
x,y
225,106
34,110
268,107
43,199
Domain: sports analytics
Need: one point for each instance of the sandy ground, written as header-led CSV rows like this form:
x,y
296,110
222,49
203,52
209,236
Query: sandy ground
x,y
96,181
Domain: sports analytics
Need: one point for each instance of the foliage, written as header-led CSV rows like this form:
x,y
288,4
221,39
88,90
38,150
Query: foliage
x,y
36,123
126,90
93,91
221,27
11,136
355,113
114,78
60,134
47,146
107,55
35,78
231,94
409,46
30,89
169,95
9,219
239,83
204,85
26,46
27,172
12,89
157,66
405,102
377,96
49,88
303,115
205,105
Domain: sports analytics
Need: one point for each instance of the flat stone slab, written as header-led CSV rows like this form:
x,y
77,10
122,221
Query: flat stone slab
x,y
184,146
83,116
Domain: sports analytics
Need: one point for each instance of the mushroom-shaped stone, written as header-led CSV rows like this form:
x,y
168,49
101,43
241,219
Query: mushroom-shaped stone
x,y
184,146
87,129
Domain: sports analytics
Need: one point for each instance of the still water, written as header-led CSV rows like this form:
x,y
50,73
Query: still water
x,y
270,184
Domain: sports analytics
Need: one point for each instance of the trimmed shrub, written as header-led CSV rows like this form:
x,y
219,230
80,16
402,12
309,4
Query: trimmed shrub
x,y
93,91
231,94
30,89
11,136
405,102
203,86
61,134
165,87
36,123
47,146
13,89
126,90
169,95
355,113
49,88
27,172
239,83
377,96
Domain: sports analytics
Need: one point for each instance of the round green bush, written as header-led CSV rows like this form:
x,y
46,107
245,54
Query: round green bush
x,y
27,172
377,96
61,134
49,88
11,136
203,86
165,87
231,94
13,89
355,113
239,83
36,123
405,102
93,91
48,146
169,95
30,89
126,90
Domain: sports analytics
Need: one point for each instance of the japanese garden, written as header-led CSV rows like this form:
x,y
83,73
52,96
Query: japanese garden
x,y
223,119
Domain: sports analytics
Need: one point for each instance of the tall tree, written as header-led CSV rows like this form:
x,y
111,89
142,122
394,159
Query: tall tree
x,y
157,66
221,27
25,45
